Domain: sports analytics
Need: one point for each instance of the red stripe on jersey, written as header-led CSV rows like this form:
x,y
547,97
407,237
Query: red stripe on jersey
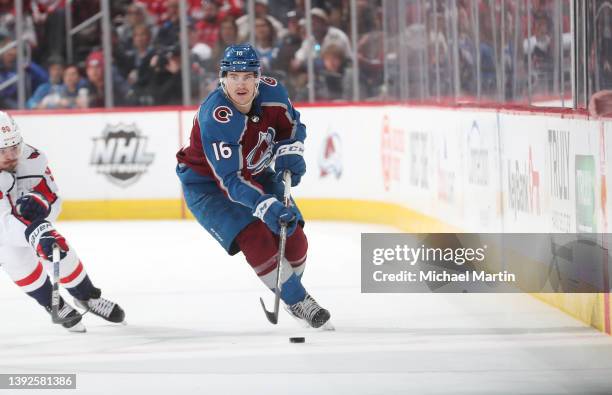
x,y
35,275
73,275
40,201
43,189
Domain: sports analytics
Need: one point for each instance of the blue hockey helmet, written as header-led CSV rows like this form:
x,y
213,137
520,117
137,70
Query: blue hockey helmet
x,y
240,57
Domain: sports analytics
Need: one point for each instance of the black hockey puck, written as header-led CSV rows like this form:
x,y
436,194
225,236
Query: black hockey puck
x,y
297,340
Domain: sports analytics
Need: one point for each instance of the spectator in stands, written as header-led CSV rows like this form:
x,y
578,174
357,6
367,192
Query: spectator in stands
x,y
136,14
90,36
228,34
324,36
7,23
334,80
539,48
467,52
168,34
261,11
35,75
280,8
205,68
69,94
49,18
488,67
72,94
438,62
166,85
140,55
55,68
208,27
370,55
367,17
288,46
265,43
94,68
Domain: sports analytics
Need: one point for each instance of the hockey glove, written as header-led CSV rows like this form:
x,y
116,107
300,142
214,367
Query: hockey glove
x,y
33,206
273,213
290,156
42,236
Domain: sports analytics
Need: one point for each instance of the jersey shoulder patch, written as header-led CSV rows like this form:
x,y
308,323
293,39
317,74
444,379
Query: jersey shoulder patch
x,y
272,92
33,162
219,119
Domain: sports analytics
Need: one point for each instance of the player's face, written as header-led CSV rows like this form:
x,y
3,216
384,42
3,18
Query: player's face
x,y
9,157
240,86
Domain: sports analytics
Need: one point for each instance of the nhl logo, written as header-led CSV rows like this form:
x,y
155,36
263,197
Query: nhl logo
x,y
120,154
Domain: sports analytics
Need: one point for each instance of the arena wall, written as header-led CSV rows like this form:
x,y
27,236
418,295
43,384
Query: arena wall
x,y
419,168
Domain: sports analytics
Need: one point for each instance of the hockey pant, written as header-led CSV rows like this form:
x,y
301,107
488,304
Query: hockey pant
x,y
29,272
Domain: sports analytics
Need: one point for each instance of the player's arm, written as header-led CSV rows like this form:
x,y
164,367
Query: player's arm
x,y
225,159
42,201
11,226
289,151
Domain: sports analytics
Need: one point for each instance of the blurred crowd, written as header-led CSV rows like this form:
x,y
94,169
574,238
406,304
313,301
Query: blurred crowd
x,y
147,68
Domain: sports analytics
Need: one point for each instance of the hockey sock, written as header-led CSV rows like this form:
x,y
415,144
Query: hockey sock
x,y
84,290
42,294
292,290
295,251
260,247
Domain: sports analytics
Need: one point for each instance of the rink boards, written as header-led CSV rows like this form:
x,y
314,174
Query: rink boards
x,y
419,168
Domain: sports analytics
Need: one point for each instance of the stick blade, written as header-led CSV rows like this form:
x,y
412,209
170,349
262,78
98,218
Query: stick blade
x,y
272,317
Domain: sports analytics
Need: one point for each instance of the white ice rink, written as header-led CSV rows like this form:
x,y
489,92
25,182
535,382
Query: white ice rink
x,y
196,327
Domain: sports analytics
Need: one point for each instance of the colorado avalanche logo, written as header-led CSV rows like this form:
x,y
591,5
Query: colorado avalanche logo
x,y
268,81
261,155
222,114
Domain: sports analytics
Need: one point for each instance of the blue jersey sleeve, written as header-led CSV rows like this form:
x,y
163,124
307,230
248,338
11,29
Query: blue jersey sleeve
x,y
221,131
273,93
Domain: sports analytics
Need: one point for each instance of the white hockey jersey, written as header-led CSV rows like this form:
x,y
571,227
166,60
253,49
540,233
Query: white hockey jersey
x,y
31,174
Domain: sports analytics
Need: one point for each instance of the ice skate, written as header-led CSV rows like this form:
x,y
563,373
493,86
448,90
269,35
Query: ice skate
x,y
309,311
102,307
66,312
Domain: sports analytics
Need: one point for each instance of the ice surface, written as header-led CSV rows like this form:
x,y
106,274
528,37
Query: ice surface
x,y
196,327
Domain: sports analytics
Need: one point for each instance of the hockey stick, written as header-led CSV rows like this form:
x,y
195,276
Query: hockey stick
x,y
273,316
55,295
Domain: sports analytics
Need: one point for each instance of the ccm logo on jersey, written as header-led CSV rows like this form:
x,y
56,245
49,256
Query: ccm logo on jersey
x,y
296,148
222,114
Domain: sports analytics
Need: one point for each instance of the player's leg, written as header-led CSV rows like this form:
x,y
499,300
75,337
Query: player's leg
x,y
74,278
26,270
297,244
260,247
295,251
236,229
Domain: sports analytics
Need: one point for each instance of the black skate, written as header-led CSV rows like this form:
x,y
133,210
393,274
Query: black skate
x,y
310,312
101,307
66,312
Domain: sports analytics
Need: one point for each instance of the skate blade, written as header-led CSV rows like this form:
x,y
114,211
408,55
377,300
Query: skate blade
x,y
78,328
328,326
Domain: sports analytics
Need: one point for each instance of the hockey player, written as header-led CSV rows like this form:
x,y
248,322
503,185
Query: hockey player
x,y
230,186
28,205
